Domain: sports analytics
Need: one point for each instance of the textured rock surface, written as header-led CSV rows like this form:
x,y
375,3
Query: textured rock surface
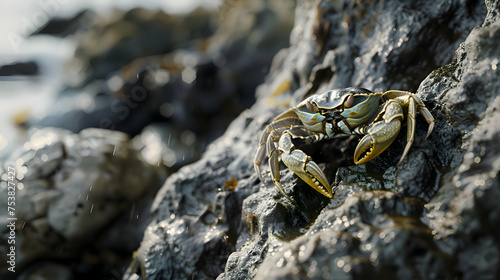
x,y
71,188
434,216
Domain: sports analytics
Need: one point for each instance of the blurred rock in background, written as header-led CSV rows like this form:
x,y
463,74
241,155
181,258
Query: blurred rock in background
x,y
82,199
189,74
67,26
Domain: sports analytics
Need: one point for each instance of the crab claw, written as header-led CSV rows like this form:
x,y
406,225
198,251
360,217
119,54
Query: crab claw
x,y
307,170
380,136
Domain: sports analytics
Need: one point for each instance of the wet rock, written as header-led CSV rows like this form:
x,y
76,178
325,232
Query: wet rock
x,y
463,216
433,216
114,40
210,226
72,192
28,68
356,239
64,26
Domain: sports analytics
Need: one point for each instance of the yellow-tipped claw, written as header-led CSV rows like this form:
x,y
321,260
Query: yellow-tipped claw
x,y
308,171
380,136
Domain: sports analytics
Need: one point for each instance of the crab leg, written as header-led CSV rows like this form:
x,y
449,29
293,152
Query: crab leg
x,y
268,138
282,122
414,103
273,154
428,118
261,151
425,113
410,133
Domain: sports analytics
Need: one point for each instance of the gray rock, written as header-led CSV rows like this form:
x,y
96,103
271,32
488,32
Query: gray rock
x,y
434,216
71,191
112,41
197,215
62,26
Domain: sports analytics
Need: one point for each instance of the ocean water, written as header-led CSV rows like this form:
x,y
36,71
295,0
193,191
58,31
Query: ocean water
x,y
29,96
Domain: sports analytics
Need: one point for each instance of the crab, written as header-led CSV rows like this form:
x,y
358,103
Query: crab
x,y
337,113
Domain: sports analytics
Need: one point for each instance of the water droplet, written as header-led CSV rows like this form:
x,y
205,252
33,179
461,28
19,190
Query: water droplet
x,y
312,269
366,247
188,75
301,250
494,64
280,262
400,42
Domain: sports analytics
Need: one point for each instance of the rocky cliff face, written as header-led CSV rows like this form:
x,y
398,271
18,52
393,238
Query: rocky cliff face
x,y
433,216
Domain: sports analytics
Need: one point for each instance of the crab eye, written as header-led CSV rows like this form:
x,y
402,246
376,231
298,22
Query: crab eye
x,y
349,102
311,107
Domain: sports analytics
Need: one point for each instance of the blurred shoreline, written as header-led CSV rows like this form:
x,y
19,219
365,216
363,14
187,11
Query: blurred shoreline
x,y
22,96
